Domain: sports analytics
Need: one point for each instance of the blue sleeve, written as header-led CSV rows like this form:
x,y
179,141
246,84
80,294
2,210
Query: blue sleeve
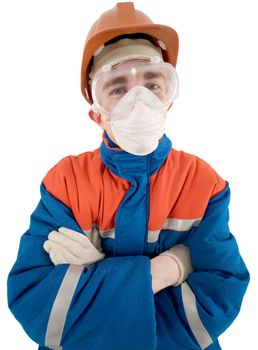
x,y
205,305
109,302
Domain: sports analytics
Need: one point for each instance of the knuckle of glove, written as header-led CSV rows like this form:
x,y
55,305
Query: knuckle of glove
x,y
47,246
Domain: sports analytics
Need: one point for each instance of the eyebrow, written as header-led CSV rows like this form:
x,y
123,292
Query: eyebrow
x,y
152,75
115,81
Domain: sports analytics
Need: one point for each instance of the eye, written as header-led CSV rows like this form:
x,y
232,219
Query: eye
x,y
152,87
118,92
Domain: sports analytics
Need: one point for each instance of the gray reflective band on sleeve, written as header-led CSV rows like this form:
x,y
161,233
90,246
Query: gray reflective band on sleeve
x,y
181,224
108,233
189,301
60,307
153,236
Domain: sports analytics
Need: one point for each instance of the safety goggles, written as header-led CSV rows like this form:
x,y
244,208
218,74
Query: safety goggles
x,y
110,84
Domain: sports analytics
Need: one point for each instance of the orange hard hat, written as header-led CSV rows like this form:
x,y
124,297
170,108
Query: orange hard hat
x,y
120,20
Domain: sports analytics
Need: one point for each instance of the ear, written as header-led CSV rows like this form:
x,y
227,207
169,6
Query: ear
x,y
96,117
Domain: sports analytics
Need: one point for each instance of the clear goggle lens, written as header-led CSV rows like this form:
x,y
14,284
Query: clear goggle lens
x,y
110,84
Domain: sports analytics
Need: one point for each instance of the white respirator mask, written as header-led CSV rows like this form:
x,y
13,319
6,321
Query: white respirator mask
x,y
138,121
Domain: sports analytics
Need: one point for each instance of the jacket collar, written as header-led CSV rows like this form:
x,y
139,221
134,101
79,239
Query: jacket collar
x,y
127,165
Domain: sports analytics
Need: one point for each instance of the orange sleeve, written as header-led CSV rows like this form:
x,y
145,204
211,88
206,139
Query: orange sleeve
x,y
219,183
55,180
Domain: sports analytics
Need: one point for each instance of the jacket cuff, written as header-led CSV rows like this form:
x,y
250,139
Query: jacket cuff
x,y
181,254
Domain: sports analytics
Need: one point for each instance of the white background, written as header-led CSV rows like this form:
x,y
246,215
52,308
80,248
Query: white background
x,y
44,116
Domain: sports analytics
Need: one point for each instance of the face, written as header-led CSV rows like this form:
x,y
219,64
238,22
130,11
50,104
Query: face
x,y
110,87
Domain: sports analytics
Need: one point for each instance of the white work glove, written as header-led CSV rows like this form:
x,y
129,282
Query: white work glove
x,y
181,254
67,246
165,272
171,268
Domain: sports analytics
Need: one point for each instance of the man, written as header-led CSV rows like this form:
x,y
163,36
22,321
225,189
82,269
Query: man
x,y
129,246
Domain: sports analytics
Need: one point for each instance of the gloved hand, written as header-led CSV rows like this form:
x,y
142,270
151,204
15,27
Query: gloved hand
x,y
67,246
165,272
171,268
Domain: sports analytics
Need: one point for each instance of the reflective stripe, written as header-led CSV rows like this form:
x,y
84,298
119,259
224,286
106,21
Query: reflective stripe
x,y
60,307
87,233
181,224
174,224
104,234
153,236
189,301
108,233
